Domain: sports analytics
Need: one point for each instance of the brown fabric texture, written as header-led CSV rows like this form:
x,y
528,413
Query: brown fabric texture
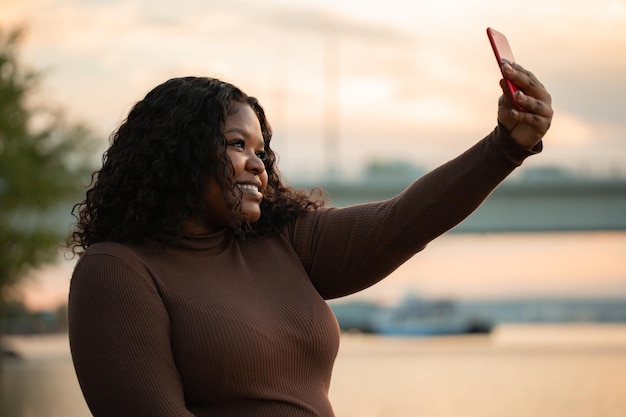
x,y
218,326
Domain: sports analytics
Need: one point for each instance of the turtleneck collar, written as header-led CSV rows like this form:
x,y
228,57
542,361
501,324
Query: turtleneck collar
x,y
201,244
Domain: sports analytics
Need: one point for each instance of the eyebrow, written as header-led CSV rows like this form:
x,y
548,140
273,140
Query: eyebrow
x,y
236,130
242,132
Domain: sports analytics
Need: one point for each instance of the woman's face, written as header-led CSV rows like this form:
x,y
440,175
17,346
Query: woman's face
x,y
245,148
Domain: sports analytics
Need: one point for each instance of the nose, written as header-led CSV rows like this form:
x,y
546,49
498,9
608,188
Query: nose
x,y
255,164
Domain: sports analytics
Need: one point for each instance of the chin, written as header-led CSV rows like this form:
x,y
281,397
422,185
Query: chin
x,y
252,215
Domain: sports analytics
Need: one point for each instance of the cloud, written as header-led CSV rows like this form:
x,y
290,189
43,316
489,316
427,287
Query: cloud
x,y
569,130
596,96
413,71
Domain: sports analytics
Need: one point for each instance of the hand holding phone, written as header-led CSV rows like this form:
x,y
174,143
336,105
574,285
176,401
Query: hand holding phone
x,y
503,53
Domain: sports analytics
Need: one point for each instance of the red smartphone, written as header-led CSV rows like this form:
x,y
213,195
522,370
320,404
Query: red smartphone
x,y
502,50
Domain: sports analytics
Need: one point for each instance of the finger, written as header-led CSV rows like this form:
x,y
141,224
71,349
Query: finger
x,y
505,100
524,76
526,81
532,104
540,122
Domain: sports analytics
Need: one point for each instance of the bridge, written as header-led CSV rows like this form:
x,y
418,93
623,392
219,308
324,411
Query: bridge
x,y
517,206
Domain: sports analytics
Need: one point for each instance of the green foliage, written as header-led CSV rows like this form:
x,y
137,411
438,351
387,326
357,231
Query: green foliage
x,y
43,161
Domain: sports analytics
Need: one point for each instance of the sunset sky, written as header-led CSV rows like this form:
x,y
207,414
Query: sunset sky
x,y
407,79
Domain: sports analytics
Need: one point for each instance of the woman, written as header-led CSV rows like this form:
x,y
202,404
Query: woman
x,y
201,281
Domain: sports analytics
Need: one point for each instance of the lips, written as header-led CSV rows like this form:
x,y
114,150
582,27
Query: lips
x,y
248,187
251,189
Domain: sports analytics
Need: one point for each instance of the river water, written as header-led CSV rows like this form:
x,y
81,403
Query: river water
x,y
519,370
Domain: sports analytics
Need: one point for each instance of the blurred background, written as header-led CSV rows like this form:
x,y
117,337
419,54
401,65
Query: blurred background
x,y
363,98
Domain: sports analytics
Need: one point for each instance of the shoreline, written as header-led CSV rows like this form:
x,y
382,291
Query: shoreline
x,y
504,337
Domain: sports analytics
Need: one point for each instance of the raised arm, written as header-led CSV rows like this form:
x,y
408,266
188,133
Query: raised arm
x,y
349,249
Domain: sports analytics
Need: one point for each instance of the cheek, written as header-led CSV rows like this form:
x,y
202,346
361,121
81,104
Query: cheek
x,y
264,179
238,162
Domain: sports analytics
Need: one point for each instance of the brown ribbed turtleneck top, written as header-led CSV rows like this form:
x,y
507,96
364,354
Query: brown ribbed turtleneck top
x,y
218,326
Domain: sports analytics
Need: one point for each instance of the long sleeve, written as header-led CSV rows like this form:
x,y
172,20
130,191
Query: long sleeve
x,y
119,337
348,249
209,326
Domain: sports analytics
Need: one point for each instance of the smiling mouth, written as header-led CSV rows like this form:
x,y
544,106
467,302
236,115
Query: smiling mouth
x,y
251,190
248,187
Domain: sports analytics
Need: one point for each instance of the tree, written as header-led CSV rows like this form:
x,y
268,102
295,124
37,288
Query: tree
x,y
43,161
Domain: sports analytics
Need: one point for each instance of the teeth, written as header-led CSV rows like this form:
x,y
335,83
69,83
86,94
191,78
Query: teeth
x,y
248,187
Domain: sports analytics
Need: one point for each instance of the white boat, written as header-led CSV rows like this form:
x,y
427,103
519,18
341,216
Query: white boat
x,y
418,317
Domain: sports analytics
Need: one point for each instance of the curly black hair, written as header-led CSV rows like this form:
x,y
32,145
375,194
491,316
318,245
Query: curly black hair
x,y
155,172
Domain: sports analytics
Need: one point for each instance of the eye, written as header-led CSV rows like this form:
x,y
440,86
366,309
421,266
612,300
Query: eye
x,y
237,143
262,155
